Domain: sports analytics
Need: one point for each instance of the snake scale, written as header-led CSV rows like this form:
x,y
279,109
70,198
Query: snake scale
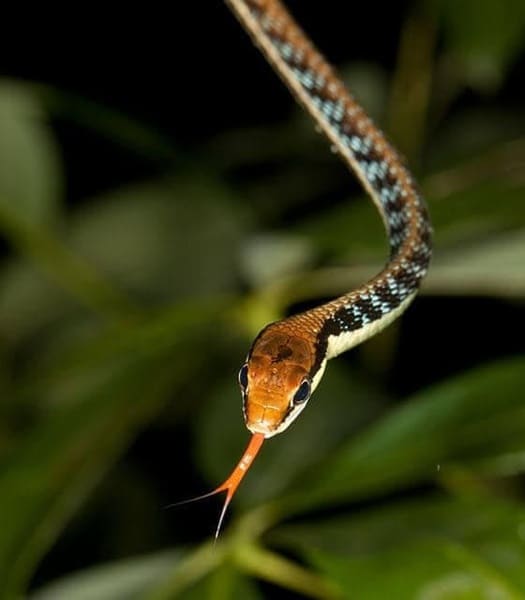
x,y
287,359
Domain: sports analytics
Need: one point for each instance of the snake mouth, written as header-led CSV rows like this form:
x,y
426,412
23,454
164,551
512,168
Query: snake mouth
x,y
265,422
261,416
266,427
267,432
262,428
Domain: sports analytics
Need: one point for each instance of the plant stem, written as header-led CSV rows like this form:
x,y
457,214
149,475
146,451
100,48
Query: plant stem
x,y
263,564
189,570
411,86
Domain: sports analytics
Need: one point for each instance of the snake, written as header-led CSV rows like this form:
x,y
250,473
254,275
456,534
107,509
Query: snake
x,y
288,357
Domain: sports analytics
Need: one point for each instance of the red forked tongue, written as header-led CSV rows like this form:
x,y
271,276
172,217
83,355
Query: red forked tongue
x,y
231,484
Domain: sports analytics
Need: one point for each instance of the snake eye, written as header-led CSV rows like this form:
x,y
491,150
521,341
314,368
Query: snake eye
x,y
243,377
303,392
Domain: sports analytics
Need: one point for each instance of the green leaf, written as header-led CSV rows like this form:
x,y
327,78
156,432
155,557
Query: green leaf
x,y
465,417
207,572
458,216
268,256
423,571
472,214
112,124
174,238
225,583
99,405
70,271
123,580
440,545
484,36
152,238
136,578
30,169
493,267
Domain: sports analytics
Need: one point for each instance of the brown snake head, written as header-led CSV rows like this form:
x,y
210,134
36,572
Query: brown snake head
x,y
287,359
275,381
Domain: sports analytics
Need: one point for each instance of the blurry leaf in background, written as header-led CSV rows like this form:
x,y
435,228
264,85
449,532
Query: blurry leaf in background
x,y
419,546
421,509
118,128
31,178
489,44
492,268
225,583
476,145
474,415
267,257
29,301
369,85
49,471
459,215
123,580
179,237
153,239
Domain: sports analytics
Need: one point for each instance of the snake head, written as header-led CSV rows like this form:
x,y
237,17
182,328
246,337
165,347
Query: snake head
x,y
276,380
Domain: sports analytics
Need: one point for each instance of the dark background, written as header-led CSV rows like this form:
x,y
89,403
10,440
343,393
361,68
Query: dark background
x,y
182,78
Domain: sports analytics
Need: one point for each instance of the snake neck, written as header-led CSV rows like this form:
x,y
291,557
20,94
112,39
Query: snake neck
x,y
353,317
274,385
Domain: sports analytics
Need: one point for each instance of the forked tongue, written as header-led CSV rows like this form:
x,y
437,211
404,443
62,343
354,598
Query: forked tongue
x,y
231,484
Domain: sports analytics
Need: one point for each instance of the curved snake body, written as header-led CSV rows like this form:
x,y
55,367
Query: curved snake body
x,y
287,359
297,348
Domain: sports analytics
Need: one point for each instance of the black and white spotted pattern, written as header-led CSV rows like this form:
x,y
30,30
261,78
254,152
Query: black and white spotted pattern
x,y
350,319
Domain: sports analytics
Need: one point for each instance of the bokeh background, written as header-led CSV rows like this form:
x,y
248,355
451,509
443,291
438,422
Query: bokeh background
x,y
161,199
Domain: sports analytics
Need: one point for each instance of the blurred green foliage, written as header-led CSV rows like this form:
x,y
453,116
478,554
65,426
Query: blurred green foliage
x,y
130,311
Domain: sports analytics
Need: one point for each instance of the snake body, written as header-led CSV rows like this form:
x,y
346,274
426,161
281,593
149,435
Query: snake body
x,y
288,358
295,350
